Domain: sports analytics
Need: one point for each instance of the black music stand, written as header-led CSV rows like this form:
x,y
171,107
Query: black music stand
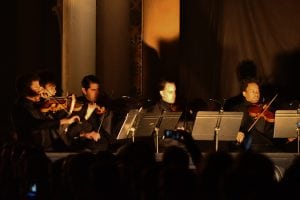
x,y
127,129
152,124
169,122
207,122
287,125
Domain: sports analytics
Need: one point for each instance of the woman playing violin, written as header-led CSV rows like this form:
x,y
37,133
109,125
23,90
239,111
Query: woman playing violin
x,y
256,129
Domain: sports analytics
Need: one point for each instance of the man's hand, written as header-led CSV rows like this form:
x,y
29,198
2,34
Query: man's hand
x,y
240,137
93,135
291,139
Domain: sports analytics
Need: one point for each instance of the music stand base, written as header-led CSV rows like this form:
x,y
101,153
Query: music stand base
x,y
217,139
156,130
298,140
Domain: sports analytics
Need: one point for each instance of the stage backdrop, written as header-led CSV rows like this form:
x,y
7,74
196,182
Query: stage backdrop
x,y
197,43
214,36
217,35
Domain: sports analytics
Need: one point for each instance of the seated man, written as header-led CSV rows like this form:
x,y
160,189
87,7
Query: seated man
x,y
260,137
245,70
167,103
33,128
94,133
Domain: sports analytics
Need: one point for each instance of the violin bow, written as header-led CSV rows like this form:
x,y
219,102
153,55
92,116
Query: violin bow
x,y
261,114
101,122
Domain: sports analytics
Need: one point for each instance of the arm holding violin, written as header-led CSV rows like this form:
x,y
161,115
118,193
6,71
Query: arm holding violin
x,y
255,118
94,108
71,120
28,118
89,122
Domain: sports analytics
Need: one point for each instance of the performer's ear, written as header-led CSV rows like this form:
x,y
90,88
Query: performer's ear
x,y
83,90
244,93
161,93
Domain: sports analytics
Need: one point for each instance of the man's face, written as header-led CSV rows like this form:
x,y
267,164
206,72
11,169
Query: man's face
x,y
168,94
251,93
92,92
35,86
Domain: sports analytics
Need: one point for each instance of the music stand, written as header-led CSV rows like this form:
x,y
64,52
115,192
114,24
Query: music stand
x,y
169,122
287,125
128,125
205,125
156,123
146,125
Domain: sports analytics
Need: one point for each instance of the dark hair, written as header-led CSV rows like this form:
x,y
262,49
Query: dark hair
x,y
87,80
163,82
245,82
46,77
246,69
23,85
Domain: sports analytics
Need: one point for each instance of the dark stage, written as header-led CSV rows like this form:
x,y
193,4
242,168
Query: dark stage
x,y
281,160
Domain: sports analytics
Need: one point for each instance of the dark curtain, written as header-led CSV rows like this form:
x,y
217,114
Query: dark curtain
x,y
30,42
263,31
216,35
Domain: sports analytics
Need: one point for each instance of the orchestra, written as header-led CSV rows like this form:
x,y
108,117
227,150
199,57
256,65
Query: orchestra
x,y
96,125
88,126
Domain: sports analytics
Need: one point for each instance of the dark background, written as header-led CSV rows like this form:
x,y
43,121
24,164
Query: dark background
x,y
214,37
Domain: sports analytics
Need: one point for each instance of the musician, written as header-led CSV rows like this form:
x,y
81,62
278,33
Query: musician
x,y
94,133
167,92
32,127
259,138
246,69
54,107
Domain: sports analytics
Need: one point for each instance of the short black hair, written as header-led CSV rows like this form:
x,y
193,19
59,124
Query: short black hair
x,y
88,79
163,82
46,77
23,85
245,82
246,69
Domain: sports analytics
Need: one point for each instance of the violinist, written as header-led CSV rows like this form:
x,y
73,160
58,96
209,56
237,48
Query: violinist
x,y
256,131
32,126
94,132
167,92
50,103
54,107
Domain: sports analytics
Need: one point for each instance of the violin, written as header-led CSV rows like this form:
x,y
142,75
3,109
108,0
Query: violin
x,y
258,113
55,104
96,108
257,110
100,110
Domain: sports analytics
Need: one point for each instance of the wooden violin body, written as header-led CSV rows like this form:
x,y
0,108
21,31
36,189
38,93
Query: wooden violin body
x,y
263,113
257,110
55,104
